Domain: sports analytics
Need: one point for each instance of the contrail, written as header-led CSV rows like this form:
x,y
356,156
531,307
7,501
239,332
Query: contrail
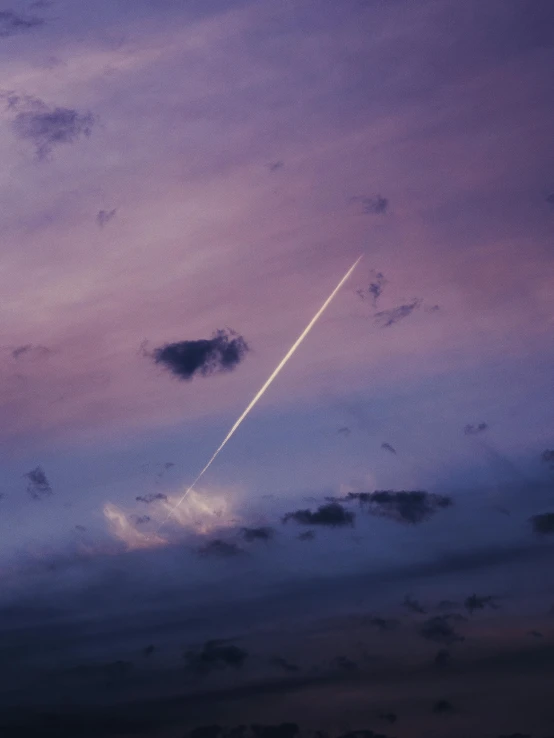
x,y
265,386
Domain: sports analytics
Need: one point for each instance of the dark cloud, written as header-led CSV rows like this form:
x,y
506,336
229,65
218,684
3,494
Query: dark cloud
x,y
443,707
274,166
148,651
49,127
217,547
204,357
390,717
284,730
480,603
375,289
550,198
376,205
443,658
30,351
404,506
81,528
152,497
382,624
389,448
12,23
214,656
307,535
344,431
284,664
332,515
547,457
104,216
473,430
38,485
206,731
263,533
386,318
535,634
542,524
440,630
141,519
346,665
413,605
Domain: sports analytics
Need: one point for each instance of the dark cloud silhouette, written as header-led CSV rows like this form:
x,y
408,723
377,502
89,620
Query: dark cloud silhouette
x,y
443,707
141,519
377,205
217,547
284,730
440,630
547,457
263,533
474,602
307,535
215,655
389,448
12,23
49,127
104,216
332,515
148,651
152,497
382,624
204,357
474,430
543,524
375,289
284,664
390,717
345,664
443,658
30,351
274,166
413,605
344,431
80,528
38,485
535,634
386,318
404,506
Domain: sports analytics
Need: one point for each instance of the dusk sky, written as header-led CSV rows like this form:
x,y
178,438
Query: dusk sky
x,y
183,184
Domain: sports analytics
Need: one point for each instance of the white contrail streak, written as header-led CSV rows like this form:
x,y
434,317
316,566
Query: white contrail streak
x,y
266,385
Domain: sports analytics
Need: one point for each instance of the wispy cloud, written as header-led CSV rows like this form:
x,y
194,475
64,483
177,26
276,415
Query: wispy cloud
x,y
332,515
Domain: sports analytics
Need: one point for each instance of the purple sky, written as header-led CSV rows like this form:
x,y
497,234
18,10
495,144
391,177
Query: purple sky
x,y
171,169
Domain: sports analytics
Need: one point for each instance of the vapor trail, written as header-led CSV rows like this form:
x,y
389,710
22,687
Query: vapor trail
x,y
265,386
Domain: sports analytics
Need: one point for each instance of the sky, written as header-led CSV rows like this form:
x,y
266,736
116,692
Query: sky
x,y
183,184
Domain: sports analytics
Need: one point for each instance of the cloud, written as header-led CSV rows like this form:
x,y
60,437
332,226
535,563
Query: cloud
x,y
307,535
411,507
344,431
49,127
547,457
215,655
218,547
333,515
386,318
443,658
81,528
12,23
377,205
263,533
443,707
410,603
204,357
30,351
147,651
284,664
152,497
284,730
440,630
542,524
479,603
383,624
535,634
38,485
104,216
375,289
141,519
389,448
550,198
473,430
276,165
125,531
390,717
